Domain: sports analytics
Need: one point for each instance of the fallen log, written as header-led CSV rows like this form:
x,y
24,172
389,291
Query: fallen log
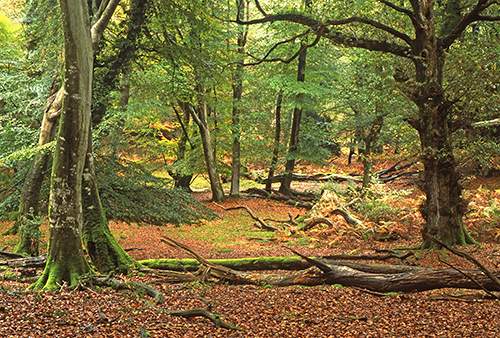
x,y
379,278
313,178
27,262
295,200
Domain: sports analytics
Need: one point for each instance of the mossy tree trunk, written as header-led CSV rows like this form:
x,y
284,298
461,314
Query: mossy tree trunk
x,y
65,259
27,223
104,251
444,207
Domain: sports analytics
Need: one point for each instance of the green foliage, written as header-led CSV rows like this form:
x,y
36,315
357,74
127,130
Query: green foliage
x,y
128,193
376,210
133,195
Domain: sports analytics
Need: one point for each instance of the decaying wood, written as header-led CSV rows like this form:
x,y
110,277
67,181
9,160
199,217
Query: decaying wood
x,y
293,200
313,178
213,317
471,259
27,262
390,278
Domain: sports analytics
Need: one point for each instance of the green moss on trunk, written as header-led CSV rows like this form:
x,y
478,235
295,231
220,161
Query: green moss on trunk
x,y
104,251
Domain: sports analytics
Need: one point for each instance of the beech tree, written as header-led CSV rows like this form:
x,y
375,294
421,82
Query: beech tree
x,y
422,38
66,262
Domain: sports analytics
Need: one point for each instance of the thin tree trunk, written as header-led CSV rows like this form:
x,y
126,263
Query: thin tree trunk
x,y
65,259
296,120
237,93
182,180
294,134
277,140
200,117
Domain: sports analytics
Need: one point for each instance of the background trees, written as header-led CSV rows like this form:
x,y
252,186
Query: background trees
x,y
185,89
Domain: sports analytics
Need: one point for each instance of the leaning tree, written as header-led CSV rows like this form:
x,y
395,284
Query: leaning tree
x,y
419,33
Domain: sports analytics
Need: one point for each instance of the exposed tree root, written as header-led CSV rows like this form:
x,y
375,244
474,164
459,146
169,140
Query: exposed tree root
x,y
116,284
213,317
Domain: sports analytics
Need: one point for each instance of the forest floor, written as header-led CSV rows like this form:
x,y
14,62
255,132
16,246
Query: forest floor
x,y
321,311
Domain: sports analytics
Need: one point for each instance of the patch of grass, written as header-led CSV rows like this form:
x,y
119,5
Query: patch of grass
x,y
234,229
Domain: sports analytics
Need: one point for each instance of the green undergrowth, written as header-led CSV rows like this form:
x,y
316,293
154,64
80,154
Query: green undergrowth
x,y
129,193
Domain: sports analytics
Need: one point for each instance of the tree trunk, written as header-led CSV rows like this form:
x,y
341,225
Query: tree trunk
x,y
213,175
277,142
27,223
200,116
294,134
443,208
237,93
104,251
182,180
65,259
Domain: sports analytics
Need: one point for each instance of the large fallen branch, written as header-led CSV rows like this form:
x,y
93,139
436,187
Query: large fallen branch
x,y
254,263
296,200
313,178
380,278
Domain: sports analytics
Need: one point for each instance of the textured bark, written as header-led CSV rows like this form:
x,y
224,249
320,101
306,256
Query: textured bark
x,y
104,251
443,208
65,259
277,139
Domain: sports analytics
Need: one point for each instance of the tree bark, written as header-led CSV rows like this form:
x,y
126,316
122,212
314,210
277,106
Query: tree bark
x,y
27,223
294,134
296,120
443,208
277,140
200,117
237,94
104,251
65,260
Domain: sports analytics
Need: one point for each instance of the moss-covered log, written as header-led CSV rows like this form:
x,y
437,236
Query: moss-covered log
x,y
243,264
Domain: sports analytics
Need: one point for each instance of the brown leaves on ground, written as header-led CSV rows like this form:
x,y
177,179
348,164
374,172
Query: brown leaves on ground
x,y
322,311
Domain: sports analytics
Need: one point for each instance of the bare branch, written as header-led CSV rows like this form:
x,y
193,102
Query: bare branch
x,y
287,60
259,7
472,16
398,8
337,37
373,23
102,19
